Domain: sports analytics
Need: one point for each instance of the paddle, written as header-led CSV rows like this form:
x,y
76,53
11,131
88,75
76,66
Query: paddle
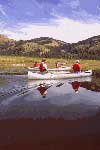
x,y
60,84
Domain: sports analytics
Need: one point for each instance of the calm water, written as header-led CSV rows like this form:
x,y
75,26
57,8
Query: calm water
x,y
68,99
49,115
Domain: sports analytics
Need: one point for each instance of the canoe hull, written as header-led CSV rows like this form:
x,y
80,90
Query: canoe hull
x,y
54,76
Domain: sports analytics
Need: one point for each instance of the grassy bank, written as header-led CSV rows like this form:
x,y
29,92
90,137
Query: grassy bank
x,y
14,62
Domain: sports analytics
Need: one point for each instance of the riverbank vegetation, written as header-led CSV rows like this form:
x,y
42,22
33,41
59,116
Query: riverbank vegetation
x,y
16,62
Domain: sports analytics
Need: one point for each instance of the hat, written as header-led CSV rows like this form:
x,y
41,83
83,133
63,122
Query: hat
x,y
77,61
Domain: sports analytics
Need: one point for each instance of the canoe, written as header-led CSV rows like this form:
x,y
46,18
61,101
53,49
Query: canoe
x,y
51,76
52,69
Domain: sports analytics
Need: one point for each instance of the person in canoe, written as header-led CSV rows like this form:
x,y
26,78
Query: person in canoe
x,y
43,66
58,64
76,86
76,67
36,64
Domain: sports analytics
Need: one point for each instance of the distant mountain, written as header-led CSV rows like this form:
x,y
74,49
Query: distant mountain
x,y
49,47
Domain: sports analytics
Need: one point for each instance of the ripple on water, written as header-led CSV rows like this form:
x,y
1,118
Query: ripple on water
x,y
11,84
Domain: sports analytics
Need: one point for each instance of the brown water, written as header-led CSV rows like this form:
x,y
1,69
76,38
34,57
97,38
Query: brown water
x,y
68,117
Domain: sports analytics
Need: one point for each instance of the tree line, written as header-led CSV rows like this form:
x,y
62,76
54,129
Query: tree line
x,y
48,47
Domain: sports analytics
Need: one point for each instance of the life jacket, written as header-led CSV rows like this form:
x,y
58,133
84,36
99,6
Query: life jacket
x,y
76,67
41,67
36,64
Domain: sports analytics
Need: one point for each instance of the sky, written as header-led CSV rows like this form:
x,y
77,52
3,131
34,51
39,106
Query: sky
x,y
67,20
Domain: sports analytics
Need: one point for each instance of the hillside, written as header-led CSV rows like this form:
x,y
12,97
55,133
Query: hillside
x,y
49,47
89,48
5,44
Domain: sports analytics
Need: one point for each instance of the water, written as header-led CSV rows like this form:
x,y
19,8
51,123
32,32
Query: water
x,y
51,115
69,99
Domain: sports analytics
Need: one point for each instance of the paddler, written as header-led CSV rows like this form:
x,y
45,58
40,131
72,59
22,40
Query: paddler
x,y
77,67
58,64
43,66
36,64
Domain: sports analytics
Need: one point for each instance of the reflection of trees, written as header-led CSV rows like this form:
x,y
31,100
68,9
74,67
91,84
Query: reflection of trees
x,y
94,85
91,86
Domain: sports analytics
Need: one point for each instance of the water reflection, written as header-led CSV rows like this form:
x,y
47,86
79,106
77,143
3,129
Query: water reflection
x,y
43,86
48,98
68,110
76,86
94,84
43,89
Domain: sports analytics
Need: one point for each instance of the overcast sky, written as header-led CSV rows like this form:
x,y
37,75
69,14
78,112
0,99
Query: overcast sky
x,y
66,20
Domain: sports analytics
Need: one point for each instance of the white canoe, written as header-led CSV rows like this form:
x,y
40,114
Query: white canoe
x,y
49,76
52,69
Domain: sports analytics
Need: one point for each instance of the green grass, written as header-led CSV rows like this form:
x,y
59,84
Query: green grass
x,y
11,62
